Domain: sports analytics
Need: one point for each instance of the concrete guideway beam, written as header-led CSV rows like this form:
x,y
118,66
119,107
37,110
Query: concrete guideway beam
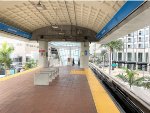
x,y
135,21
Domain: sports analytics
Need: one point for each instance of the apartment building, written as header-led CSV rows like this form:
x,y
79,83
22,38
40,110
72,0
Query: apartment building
x,y
136,50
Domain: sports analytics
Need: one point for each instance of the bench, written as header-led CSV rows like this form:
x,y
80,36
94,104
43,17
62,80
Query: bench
x,y
45,76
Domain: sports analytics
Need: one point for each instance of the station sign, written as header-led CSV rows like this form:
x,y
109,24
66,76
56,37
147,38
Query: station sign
x,y
15,31
42,50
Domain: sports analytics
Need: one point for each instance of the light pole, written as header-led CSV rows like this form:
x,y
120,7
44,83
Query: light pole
x,y
110,62
104,60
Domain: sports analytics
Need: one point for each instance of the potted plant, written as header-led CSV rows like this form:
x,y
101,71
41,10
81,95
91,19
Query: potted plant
x,y
5,52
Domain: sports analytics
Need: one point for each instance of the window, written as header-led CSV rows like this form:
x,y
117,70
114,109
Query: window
x,y
129,56
129,39
140,57
140,45
146,58
119,56
140,39
129,34
140,32
129,46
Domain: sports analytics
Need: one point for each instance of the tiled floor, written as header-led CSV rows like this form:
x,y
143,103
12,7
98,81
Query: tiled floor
x,y
67,94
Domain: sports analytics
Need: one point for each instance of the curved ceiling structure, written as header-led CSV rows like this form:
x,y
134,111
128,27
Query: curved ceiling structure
x,y
65,33
28,16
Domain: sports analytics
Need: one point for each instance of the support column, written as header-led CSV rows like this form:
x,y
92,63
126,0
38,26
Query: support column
x,y
137,60
117,59
84,55
43,54
133,59
148,67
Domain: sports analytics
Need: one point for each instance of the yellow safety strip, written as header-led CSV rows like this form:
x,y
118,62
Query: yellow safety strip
x,y
19,74
77,72
103,102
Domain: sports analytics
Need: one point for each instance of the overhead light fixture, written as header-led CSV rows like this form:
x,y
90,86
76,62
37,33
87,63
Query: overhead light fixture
x,y
61,33
54,26
40,6
79,32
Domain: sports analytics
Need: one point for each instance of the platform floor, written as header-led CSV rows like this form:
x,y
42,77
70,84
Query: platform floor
x,y
69,93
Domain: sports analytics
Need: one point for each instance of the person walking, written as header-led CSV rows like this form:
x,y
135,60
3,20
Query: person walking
x,y
79,62
73,62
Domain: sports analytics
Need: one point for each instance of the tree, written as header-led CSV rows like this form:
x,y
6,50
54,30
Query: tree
x,y
113,45
5,52
103,54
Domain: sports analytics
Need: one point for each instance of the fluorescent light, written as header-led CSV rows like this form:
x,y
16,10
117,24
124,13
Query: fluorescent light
x,y
39,7
54,26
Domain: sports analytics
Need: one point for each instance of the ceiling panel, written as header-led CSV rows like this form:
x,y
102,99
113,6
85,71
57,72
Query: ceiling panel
x,y
26,15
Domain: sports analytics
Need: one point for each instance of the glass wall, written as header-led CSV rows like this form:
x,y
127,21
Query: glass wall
x,y
67,50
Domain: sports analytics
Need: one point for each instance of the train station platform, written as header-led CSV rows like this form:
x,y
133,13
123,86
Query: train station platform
x,y
74,91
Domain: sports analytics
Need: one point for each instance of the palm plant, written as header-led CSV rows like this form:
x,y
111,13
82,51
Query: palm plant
x,y
30,64
130,75
113,45
146,82
102,54
122,77
130,78
5,59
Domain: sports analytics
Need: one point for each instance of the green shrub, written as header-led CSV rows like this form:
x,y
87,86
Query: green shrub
x,y
30,64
